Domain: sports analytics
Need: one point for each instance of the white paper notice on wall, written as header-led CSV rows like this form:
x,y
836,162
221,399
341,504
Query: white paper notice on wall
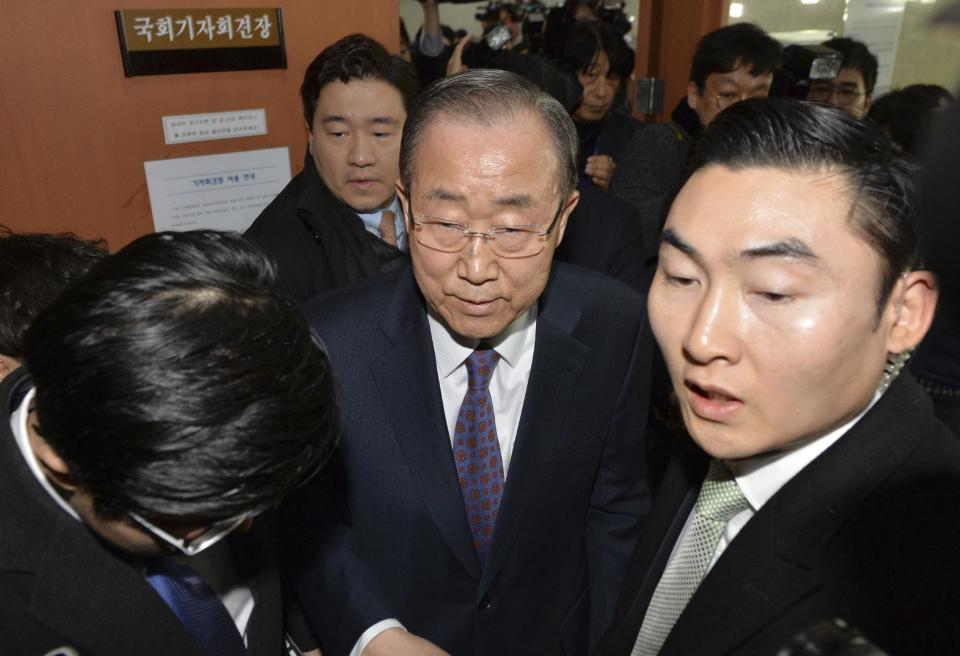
x,y
185,128
217,192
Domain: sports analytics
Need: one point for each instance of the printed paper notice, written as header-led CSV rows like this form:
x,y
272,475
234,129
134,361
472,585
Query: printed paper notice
x,y
217,192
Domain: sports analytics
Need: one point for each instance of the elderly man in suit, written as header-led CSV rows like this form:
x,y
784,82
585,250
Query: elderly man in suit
x,y
818,485
168,397
494,405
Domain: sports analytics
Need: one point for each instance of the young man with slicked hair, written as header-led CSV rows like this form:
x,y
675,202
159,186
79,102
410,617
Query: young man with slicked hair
x,y
817,483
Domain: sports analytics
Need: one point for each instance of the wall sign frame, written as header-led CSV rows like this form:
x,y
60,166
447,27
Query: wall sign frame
x,y
167,41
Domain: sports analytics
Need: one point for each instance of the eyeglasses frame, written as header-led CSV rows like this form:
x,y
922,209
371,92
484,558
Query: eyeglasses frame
x,y
489,234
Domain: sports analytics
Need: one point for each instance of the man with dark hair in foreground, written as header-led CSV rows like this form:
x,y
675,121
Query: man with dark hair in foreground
x,y
170,399
33,270
818,484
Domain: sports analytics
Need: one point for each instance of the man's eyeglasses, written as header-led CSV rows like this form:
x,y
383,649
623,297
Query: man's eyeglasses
x,y
214,533
505,241
823,91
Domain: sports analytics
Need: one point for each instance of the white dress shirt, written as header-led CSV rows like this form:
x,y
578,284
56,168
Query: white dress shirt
x,y
508,388
762,476
371,221
215,565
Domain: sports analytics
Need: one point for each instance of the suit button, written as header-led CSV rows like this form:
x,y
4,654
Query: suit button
x,y
486,603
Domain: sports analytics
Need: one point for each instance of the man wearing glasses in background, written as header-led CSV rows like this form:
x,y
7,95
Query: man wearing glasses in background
x,y
852,89
169,397
493,405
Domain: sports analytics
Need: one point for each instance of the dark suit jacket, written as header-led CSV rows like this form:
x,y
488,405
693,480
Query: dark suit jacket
x,y
604,234
867,532
399,544
318,242
60,585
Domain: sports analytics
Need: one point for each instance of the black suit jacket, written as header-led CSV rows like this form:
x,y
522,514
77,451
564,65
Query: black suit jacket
x,y
394,540
318,242
61,586
867,532
604,234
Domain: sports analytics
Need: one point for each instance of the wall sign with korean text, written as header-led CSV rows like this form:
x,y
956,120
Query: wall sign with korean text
x,y
163,41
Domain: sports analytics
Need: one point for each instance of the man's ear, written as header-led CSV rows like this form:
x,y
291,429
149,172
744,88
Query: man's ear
x,y
309,130
693,95
7,365
912,302
569,205
53,465
405,204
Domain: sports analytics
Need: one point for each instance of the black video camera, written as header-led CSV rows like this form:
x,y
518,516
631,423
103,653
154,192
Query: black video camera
x,y
801,65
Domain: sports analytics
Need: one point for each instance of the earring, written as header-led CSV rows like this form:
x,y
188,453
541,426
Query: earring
x,y
895,363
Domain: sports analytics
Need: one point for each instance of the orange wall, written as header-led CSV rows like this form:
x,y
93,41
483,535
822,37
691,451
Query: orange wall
x,y
74,132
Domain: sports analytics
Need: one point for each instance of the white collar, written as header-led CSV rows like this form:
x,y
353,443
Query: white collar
x,y
372,218
18,424
451,350
762,476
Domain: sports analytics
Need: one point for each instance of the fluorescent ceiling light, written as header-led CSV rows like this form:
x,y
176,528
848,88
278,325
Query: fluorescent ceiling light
x,y
736,9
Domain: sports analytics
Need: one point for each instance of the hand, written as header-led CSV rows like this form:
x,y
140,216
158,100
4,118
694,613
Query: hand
x,y
397,642
600,168
455,65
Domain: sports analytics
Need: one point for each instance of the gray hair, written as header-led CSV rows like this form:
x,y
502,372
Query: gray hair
x,y
489,98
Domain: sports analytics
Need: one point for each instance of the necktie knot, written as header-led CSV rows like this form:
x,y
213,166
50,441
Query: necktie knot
x,y
720,496
388,227
480,365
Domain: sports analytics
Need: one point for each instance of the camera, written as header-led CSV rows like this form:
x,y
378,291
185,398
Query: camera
x,y
800,65
478,55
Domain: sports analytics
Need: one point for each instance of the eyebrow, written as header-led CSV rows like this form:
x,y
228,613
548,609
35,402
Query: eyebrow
x,y
792,248
376,120
520,201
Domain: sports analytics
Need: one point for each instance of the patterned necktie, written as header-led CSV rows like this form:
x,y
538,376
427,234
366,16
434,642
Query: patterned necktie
x,y
196,606
719,500
388,227
476,450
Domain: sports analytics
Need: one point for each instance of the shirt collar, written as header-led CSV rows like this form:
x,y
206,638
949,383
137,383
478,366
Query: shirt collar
x,y
18,424
451,350
372,219
762,476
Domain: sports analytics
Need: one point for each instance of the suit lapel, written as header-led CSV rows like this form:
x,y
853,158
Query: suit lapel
x,y
406,379
558,360
77,578
256,565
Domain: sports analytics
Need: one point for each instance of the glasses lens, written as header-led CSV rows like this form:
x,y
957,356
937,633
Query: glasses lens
x,y
515,243
208,538
442,236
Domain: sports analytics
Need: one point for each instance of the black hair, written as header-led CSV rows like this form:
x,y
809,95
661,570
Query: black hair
x,y
177,380
908,114
34,268
808,137
857,56
586,39
356,57
512,11
741,44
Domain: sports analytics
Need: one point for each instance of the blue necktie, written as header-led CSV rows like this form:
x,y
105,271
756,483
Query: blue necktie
x,y
476,450
197,606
